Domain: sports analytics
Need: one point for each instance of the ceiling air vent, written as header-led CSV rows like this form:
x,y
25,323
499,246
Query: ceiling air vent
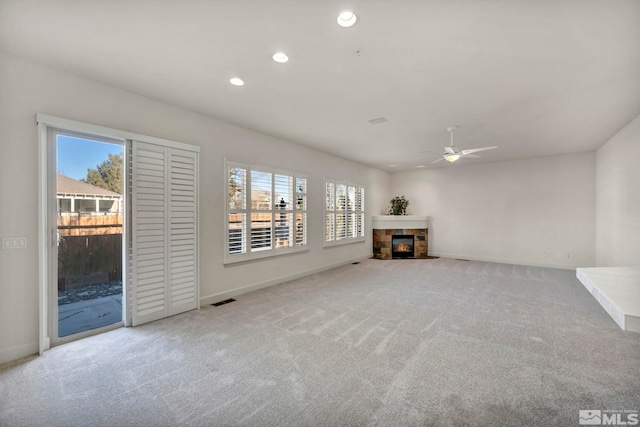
x,y
377,121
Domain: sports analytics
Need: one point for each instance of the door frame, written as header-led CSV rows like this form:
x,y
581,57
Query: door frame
x,y
48,126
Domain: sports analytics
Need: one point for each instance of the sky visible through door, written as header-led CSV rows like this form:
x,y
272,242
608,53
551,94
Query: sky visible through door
x,y
76,155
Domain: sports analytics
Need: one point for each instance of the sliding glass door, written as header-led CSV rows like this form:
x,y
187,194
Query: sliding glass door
x,y
118,227
86,213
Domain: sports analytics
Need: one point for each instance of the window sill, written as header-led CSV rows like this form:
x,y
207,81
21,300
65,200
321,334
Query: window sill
x,y
344,242
230,260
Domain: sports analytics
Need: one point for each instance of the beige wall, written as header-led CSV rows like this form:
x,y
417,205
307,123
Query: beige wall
x,y
618,199
511,211
27,89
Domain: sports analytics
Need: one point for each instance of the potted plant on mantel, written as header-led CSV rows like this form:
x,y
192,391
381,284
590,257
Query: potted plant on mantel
x,y
398,206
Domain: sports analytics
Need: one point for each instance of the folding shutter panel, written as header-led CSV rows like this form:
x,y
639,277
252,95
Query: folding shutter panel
x,y
149,231
183,229
164,229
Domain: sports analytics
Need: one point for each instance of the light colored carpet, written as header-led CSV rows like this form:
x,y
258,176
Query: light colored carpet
x,y
386,343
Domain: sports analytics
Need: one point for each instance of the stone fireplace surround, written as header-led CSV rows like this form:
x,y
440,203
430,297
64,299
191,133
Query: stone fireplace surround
x,y
385,226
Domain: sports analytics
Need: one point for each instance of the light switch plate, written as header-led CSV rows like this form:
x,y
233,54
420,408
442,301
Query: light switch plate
x,y
14,243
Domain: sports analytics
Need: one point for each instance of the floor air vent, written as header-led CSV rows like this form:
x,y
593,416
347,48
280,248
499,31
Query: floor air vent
x,y
227,301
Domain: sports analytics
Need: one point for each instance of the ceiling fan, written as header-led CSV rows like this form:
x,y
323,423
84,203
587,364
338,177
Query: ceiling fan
x,y
453,153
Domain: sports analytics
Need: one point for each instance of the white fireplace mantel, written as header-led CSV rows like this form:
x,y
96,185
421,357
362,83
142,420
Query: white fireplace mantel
x,y
386,222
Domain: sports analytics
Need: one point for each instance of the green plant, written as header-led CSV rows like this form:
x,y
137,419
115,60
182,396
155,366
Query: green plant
x,y
398,206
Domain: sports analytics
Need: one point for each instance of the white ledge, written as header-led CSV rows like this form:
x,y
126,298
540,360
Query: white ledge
x,y
617,289
387,222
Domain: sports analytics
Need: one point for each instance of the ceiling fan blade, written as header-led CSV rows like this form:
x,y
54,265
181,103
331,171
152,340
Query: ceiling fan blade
x,y
475,150
441,158
450,150
471,155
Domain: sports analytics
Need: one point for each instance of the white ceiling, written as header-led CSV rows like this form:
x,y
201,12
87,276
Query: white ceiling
x,y
535,77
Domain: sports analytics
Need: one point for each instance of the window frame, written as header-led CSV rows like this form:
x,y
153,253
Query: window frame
x,y
361,213
273,251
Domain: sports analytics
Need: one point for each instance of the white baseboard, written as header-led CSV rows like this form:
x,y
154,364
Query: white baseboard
x,y
15,353
221,296
503,261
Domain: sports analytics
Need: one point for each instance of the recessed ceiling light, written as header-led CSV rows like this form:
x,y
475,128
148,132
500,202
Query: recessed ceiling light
x,y
280,57
393,166
347,18
421,166
236,81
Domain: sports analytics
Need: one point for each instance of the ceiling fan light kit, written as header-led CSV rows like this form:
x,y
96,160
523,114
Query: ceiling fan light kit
x,y
453,153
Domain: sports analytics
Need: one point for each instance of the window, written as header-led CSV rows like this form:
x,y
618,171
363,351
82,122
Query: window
x,y
266,212
344,213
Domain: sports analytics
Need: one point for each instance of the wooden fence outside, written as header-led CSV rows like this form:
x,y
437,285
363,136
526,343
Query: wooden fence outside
x,y
84,255
77,224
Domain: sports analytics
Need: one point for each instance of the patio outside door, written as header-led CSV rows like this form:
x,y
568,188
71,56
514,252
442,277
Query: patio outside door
x,y
86,218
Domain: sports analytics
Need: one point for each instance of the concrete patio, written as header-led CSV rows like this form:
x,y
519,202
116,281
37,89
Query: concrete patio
x,y
89,314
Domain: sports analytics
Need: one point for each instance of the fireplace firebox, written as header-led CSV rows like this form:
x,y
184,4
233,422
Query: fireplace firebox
x,y
402,246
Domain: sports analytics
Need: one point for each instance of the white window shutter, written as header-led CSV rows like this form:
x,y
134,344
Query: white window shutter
x,y
164,232
183,273
266,212
149,232
237,210
344,213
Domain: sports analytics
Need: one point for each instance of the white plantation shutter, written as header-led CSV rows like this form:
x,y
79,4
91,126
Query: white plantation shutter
x,y
237,211
127,253
266,212
330,215
283,190
359,211
183,242
261,206
164,275
351,215
344,213
301,211
341,212
149,224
